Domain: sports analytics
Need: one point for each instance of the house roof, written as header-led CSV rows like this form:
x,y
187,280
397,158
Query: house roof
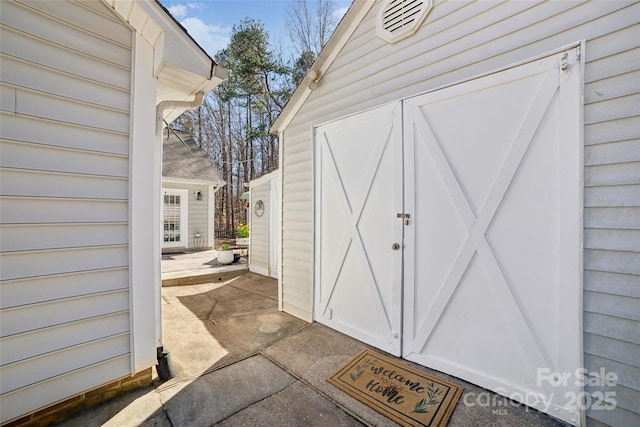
x,y
183,160
336,42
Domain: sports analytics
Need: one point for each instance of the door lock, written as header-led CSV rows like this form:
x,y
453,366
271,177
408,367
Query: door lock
x,y
395,247
404,216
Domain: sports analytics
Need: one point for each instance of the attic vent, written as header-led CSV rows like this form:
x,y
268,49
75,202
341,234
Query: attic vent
x,y
400,18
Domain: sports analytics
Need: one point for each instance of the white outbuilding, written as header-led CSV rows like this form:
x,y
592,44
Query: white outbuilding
x,y
264,220
461,188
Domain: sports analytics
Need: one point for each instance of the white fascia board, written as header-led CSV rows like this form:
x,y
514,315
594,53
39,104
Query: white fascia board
x,y
184,181
347,26
153,22
264,178
173,47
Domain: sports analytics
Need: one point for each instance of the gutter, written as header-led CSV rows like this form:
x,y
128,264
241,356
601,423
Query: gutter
x,y
164,368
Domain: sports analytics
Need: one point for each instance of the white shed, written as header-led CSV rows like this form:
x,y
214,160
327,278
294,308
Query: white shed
x,y
264,211
461,187
85,87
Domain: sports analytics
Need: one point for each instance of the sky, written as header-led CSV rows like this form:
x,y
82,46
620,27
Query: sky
x,y
209,22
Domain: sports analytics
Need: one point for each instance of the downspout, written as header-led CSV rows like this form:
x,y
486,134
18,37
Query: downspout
x,y
164,368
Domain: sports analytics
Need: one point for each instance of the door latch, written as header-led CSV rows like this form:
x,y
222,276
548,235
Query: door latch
x,y
404,216
395,247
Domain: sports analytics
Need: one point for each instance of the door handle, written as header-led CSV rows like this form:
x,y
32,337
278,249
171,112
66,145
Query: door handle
x,y
395,247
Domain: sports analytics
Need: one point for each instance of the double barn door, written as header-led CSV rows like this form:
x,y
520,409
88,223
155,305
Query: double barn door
x,y
448,230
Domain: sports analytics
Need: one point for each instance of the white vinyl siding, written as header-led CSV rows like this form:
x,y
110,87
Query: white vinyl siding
x,y
459,41
64,235
198,212
259,233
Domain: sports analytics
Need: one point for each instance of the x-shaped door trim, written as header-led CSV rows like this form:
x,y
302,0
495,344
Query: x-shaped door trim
x,y
477,226
353,211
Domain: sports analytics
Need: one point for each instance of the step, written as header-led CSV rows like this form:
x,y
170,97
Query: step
x,y
203,275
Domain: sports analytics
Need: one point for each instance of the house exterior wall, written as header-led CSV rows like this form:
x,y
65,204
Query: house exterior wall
x,y
198,212
461,40
259,232
64,220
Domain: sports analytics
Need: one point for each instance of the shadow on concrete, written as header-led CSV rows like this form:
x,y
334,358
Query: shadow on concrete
x,y
209,326
239,362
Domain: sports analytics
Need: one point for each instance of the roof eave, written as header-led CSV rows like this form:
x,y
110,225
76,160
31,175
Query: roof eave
x,y
192,181
174,49
342,33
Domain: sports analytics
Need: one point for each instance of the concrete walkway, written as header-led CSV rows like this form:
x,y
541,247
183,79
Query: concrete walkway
x,y
198,267
241,362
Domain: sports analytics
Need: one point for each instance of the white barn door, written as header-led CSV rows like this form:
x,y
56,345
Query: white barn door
x,y
358,195
492,290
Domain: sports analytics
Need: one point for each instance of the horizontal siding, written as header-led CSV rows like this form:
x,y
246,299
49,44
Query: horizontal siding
x,y
611,283
198,215
37,183
614,130
622,418
457,52
68,285
23,237
461,40
617,240
57,108
43,24
616,174
610,324
27,48
612,261
64,135
29,155
612,87
22,319
64,210
611,199
612,349
86,18
45,393
607,153
35,263
612,217
628,376
20,73
26,373
624,399
24,346
611,109
30,210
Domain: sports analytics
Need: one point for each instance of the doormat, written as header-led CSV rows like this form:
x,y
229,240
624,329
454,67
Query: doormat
x,y
399,392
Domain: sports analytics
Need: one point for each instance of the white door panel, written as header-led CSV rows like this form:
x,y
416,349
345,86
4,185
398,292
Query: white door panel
x,y
358,195
492,273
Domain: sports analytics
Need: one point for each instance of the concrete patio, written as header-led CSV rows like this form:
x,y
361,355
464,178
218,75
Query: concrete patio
x,y
239,361
199,267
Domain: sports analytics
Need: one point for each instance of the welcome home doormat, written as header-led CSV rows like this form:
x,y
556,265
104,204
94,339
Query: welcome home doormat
x,y
405,395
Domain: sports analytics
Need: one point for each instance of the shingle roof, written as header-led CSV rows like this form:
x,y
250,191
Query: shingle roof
x,y
183,159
